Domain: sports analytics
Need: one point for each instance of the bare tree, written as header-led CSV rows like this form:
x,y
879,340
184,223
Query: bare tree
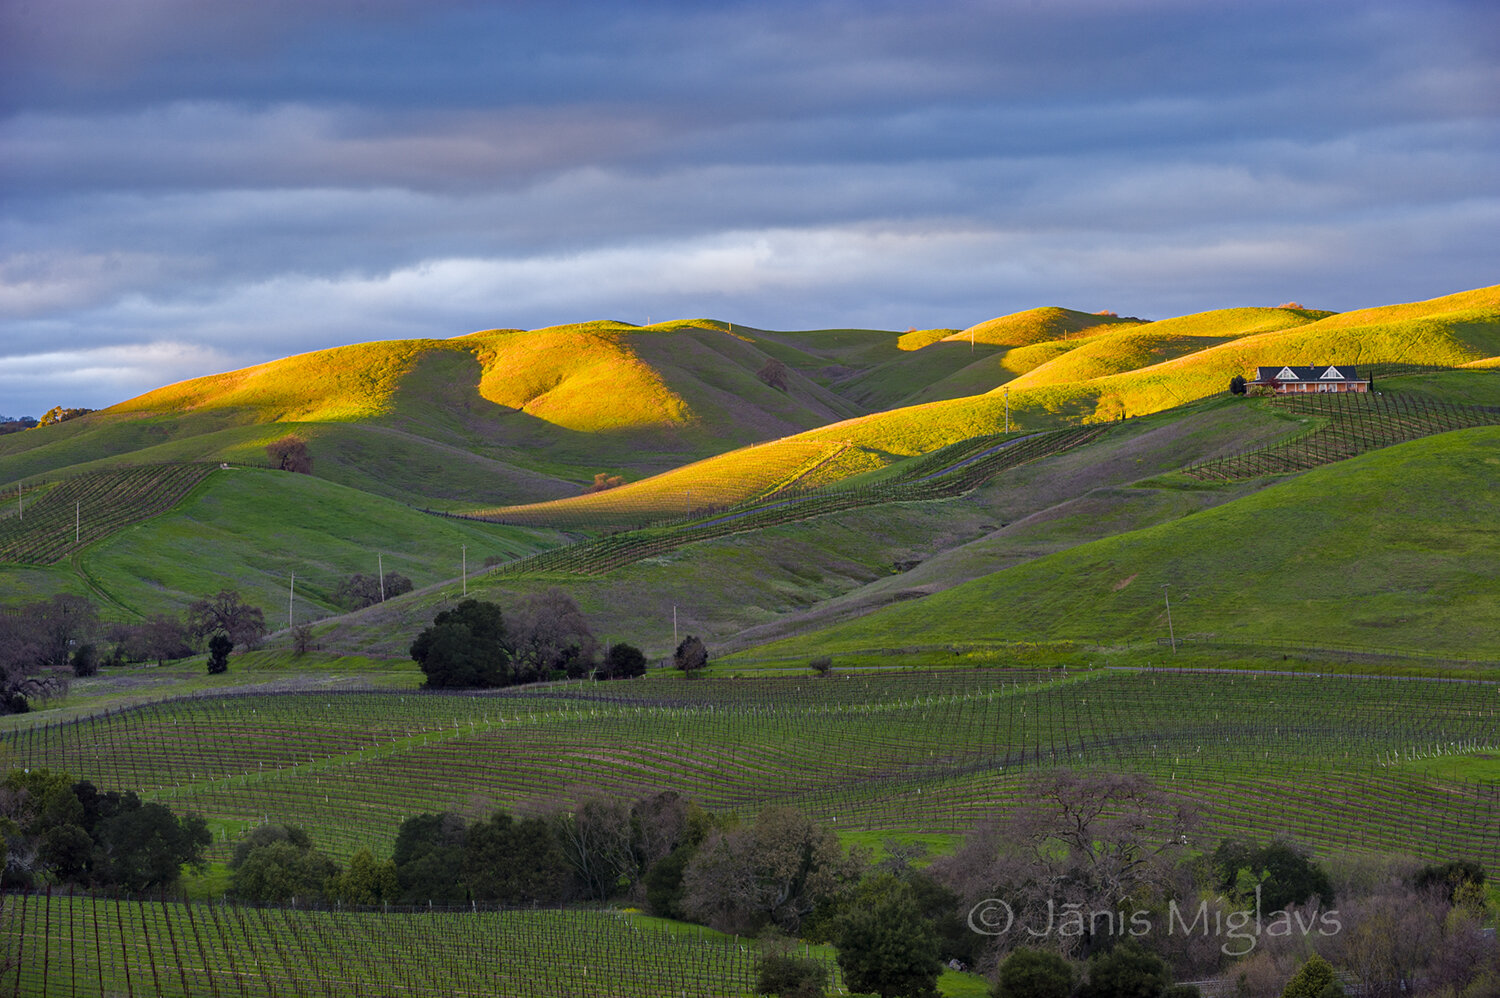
x,y
1099,840
596,842
549,632
691,655
229,614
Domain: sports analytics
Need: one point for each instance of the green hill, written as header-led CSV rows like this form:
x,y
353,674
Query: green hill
x,y
696,414
1396,548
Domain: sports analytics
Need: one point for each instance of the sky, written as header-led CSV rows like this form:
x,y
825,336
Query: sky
x,y
192,186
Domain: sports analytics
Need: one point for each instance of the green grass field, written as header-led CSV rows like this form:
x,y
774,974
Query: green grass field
x,y
1349,554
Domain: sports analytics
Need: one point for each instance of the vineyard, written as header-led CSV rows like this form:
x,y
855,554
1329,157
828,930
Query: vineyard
x,y
75,512
949,472
60,945
1347,425
1337,761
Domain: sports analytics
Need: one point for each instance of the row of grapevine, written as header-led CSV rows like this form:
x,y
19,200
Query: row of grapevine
x,y
923,750
60,945
1348,425
956,471
78,511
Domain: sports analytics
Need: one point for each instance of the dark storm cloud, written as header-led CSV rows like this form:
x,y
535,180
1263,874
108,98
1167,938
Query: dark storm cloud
x,y
196,185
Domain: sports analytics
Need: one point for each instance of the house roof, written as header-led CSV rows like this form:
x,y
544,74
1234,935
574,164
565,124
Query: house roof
x,y
1317,372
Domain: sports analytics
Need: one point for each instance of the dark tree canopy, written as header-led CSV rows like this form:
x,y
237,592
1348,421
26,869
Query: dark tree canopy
x,y
1031,973
219,647
624,661
465,647
1237,385
55,828
885,944
229,614
773,374
1127,971
275,864
1283,874
290,454
691,655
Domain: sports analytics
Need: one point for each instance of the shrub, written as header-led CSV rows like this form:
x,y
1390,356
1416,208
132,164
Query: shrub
x,y
1315,979
603,482
624,661
789,976
821,665
85,660
219,647
1030,973
1127,971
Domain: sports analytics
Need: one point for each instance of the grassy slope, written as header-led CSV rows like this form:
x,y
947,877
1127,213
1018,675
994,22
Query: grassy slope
x,y
752,586
1453,330
253,529
1346,554
506,414
1119,350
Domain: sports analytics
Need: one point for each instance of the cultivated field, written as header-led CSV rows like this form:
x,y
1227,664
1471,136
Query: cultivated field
x,y
1337,761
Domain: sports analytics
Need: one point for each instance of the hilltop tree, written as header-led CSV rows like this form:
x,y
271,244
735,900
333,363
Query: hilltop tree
x,y
60,414
290,454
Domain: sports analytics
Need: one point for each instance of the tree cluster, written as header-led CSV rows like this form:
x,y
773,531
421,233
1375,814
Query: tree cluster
x,y
15,424
38,641
547,637
59,414
56,830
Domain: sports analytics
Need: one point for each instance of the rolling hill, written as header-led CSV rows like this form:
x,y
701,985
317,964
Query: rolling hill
x,y
701,414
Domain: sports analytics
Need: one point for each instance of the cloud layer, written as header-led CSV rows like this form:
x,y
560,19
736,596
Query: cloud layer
x,y
194,186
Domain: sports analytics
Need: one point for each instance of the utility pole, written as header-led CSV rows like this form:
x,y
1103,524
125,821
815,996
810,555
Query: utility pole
x,y
464,550
380,571
1170,633
291,594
